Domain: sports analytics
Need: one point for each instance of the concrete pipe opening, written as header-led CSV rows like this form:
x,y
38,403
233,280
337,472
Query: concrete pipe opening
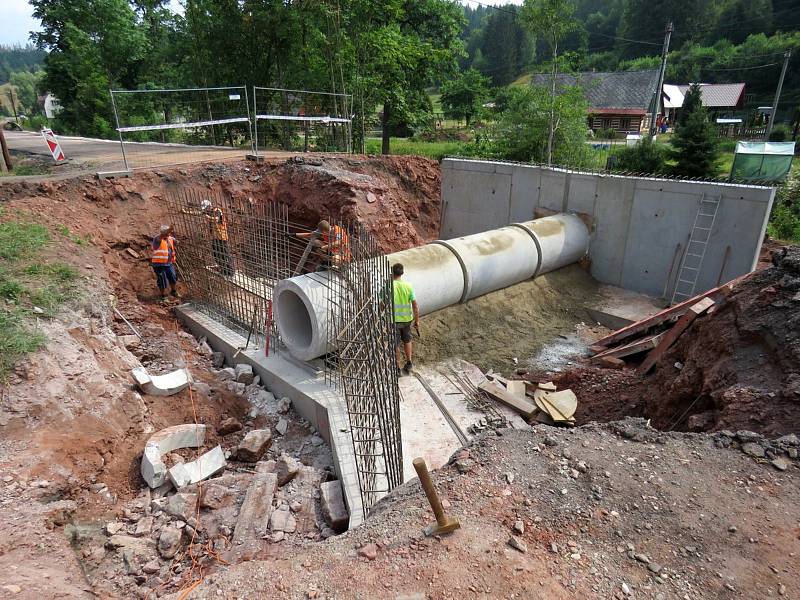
x,y
294,318
301,313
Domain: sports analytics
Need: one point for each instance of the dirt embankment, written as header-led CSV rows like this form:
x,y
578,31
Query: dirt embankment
x,y
736,368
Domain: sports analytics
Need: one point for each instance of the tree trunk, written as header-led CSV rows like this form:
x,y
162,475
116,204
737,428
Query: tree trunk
x,y
385,128
6,160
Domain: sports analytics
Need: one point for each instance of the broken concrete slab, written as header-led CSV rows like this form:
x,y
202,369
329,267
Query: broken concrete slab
x,y
256,509
153,469
226,374
244,373
282,426
283,520
161,385
254,444
286,468
333,508
205,466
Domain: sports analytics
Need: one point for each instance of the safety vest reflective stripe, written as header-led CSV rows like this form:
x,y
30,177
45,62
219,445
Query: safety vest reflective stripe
x,y
220,224
161,255
403,295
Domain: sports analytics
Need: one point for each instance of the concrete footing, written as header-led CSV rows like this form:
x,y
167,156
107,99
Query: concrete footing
x,y
204,467
161,385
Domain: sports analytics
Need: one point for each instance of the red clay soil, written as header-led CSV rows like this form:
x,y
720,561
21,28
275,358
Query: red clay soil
x,y
737,368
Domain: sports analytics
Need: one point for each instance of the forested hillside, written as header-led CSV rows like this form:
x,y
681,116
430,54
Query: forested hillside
x,y
713,41
17,59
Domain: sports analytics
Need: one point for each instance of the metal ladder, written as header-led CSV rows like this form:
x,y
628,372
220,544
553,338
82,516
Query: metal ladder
x,y
692,261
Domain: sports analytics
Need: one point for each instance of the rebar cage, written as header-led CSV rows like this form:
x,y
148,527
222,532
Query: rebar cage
x,y
232,251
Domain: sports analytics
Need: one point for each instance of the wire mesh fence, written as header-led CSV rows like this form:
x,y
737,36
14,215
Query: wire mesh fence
x,y
169,127
301,120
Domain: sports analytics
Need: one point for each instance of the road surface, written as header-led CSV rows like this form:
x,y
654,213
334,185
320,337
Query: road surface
x,y
106,155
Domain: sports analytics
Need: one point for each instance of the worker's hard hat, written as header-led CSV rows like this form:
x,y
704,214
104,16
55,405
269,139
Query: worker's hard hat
x,y
164,228
205,204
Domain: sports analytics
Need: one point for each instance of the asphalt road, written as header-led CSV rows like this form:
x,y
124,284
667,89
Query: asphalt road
x,y
106,155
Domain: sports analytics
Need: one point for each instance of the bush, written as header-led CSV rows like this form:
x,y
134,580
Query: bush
x,y
36,123
784,222
780,133
645,157
606,134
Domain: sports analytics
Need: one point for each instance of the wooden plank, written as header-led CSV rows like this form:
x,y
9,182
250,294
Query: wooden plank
x,y
633,347
610,362
516,387
597,348
667,313
670,337
520,404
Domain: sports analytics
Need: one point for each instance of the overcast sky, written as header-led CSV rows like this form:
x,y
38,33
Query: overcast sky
x,y
17,18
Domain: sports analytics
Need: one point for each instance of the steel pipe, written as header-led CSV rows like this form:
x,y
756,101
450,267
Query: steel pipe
x,y
442,273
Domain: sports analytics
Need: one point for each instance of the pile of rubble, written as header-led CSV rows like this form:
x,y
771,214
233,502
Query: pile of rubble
x,y
214,495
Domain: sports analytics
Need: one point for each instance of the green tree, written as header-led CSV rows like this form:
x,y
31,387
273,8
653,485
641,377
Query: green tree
x,y
645,157
692,102
552,20
463,96
28,85
522,131
93,45
695,145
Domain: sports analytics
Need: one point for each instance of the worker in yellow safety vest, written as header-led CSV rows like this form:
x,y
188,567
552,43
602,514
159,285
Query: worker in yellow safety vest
x,y
406,312
163,262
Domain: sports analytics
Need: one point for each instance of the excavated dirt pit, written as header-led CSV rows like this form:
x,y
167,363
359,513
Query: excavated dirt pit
x,y
72,428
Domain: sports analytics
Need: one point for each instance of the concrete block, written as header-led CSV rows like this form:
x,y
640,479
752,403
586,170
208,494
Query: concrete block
x,y
204,467
153,469
181,505
333,508
161,385
227,373
254,444
282,520
244,374
282,426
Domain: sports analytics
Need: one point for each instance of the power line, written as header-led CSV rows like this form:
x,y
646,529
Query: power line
x,y
742,68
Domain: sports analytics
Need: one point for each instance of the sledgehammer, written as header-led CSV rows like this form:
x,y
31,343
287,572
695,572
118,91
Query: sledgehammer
x,y
444,524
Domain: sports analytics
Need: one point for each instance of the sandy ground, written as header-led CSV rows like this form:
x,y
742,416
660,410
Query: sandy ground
x,y
509,328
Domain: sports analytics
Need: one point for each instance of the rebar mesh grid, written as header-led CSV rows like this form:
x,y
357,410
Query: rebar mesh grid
x,y
364,364
230,256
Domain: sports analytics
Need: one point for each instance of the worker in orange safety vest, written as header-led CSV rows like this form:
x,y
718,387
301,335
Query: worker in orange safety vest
x,y
163,262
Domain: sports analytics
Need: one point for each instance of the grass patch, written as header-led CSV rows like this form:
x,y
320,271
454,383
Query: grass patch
x,y
404,146
23,170
73,237
29,286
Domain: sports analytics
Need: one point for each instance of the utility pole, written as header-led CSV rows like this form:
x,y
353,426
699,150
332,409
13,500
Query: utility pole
x,y
13,104
773,114
662,71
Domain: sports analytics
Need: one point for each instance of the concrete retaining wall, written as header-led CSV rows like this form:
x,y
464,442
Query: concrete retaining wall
x,y
641,225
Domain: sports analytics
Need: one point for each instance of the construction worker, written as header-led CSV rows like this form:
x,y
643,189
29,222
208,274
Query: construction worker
x,y
332,244
218,230
163,262
406,312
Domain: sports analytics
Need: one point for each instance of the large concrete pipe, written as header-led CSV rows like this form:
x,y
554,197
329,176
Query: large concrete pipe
x,y
442,273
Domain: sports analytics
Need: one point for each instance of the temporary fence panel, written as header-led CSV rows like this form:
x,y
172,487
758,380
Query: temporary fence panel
x,y
158,128
301,120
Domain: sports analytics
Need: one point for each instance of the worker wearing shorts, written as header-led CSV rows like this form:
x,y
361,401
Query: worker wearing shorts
x,y
406,314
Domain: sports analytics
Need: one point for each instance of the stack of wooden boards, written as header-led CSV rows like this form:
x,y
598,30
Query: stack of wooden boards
x,y
535,402
656,334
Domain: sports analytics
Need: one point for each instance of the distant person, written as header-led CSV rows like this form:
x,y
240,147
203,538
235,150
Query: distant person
x,y
163,263
218,231
406,312
331,245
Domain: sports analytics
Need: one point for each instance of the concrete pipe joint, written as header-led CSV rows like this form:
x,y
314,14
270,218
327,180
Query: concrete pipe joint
x,y
442,273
